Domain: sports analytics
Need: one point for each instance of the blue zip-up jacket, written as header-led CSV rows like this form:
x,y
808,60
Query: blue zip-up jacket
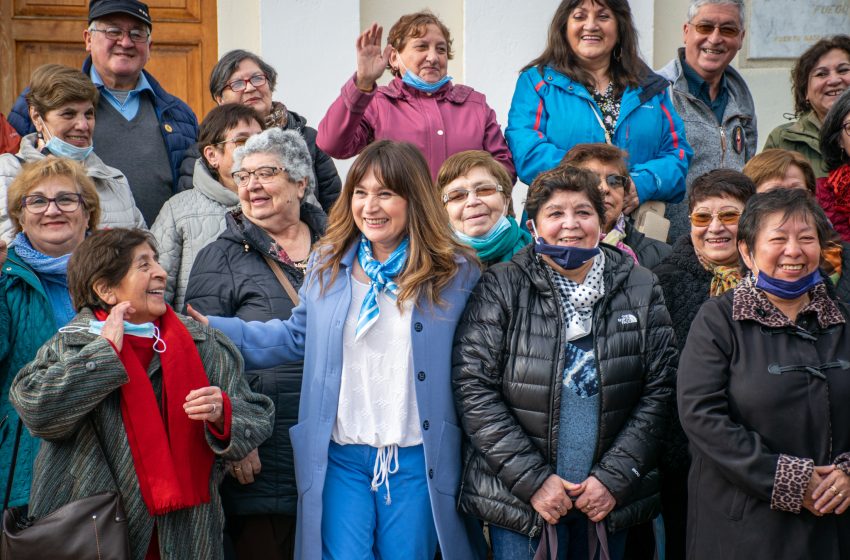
x,y
314,333
26,322
177,122
551,113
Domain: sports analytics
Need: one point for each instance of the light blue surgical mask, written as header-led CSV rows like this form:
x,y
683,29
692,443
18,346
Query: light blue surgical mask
x,y
498,228
416,82
60,148
144,330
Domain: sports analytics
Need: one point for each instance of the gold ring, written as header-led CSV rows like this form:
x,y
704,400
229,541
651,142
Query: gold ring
x,y
237,468
834,490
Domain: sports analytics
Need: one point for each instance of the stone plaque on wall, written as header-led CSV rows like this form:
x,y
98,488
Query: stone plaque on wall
x,y
786,28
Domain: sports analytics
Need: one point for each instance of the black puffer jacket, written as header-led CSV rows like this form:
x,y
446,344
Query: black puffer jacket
x,y
328,183
230,278
650,252
507,363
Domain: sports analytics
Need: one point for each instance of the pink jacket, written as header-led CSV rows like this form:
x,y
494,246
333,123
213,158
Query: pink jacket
x,y
454,119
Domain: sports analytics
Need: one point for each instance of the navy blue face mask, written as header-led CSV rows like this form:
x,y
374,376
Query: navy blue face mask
x,y
786,289
568,258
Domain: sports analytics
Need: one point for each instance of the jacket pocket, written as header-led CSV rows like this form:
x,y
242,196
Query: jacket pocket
x,y
737,505
299,438
447,475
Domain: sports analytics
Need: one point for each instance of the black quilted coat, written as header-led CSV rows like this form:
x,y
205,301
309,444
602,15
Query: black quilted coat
x,y
507,365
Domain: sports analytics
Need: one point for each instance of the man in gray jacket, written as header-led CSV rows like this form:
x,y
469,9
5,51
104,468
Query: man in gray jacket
x,y
711,97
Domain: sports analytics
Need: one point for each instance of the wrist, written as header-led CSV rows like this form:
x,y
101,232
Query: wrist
x,y
366,86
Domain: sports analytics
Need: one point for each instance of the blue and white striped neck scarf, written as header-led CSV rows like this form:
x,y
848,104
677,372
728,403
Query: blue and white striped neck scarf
x,y
381,275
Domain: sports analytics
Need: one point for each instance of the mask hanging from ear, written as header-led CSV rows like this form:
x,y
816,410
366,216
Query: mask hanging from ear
x,y
568,258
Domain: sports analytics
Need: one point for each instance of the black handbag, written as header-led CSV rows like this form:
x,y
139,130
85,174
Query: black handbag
x,y
94,527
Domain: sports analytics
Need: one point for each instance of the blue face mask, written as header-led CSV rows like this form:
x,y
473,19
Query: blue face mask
x,y
145,330
501,225
788,289
568,258
60,148
416,82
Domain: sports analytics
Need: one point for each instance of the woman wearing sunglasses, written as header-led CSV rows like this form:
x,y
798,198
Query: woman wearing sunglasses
x,y
609,163
763,386
703,264
476,192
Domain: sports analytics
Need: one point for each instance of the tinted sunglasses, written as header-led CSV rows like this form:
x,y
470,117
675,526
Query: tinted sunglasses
x,y
708,29
726,217
617,181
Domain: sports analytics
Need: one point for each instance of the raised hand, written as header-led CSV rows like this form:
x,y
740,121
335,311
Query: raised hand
x,y
113,327
371,59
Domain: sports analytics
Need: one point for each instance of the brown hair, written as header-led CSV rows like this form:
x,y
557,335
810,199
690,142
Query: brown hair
x,y
806,63
218,121
605,153
431,263
462,163
33,174
565,178
54,85
721,182
773,163
104,256
412,26
627,68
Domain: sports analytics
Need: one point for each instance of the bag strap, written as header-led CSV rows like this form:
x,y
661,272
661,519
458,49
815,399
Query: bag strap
x,y
18,431
597,536
281,277
547,549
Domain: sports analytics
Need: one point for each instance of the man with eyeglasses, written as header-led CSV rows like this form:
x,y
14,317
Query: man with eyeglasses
x,y
711,97
141,130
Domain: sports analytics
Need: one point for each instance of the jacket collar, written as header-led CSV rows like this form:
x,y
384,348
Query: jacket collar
x,y
210,187
95,168
651,85
83,337
456,94
684,256
164,100
751,303
673,72
618,265
14,267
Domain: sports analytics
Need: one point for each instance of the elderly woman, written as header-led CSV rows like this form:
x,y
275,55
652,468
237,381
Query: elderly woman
x,y
52,204
233,277
61,105
590,85
609,163
131,377
818,77
776,168
191,220
562,371
377,444
763,388
477,196
420,105
245,78
704,264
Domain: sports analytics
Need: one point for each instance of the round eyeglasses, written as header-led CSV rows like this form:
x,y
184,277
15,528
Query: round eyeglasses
x,y
257,80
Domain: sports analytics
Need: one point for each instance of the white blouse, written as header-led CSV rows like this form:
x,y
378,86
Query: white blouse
x,y
377,397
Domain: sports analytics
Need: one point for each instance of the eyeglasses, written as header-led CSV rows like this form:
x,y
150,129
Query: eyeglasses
x,y
616,181
256,80
263,174
65,202
239,141
459,195
726,217
116,34
846,127
708,29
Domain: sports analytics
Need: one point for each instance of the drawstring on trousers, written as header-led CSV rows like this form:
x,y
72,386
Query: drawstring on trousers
x,y
382,470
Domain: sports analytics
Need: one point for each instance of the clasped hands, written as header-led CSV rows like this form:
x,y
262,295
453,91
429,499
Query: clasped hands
x,y
555,498
828,491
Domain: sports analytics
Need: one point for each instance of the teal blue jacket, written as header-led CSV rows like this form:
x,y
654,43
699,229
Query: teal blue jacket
x,y
26,322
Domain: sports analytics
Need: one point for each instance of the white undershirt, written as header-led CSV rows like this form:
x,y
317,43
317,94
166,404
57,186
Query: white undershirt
x,y
377,397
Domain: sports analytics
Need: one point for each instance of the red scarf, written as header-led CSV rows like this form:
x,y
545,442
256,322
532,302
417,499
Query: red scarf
x,y
838,182
172,459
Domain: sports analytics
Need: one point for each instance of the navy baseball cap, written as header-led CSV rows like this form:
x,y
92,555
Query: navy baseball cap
x,y
100,8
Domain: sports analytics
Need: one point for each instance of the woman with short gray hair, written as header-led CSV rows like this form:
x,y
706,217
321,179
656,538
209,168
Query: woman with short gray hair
x,y
252,271
242,77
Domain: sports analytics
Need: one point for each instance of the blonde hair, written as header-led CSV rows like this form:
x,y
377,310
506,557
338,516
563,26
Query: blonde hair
x,y
431,263
33,174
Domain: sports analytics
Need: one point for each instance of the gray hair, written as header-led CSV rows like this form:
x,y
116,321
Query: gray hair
x,y
697,4
290,149
227,64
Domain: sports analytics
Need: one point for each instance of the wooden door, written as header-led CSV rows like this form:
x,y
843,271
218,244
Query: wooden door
x,y
184,49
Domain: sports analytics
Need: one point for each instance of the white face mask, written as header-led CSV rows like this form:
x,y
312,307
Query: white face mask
x,y
59,147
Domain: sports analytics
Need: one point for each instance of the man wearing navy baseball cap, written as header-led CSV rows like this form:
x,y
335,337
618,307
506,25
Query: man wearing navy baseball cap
x,y
141,129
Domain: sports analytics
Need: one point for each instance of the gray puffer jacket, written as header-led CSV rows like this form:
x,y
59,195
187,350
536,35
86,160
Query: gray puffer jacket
x,y
117,205
728,146
188,222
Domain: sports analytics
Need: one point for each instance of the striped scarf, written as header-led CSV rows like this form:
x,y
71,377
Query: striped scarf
x,y
381,275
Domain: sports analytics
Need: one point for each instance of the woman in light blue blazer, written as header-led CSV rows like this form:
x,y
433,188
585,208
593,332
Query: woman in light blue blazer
x,y
377,444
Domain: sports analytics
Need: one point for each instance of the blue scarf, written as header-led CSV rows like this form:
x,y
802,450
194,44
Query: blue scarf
x,y
381,275
52,271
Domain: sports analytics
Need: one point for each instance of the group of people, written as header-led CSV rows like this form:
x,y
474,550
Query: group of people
x,y
649,359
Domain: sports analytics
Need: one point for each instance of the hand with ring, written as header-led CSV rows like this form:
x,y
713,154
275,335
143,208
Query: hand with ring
x,y
833,493
206,404
245,470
